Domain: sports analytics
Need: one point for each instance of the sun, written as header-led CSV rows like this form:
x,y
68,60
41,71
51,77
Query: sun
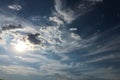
x,y
21,46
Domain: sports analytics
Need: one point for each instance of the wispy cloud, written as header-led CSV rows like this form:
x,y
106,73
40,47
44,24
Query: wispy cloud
x,y
104,73
108,57
96,0
17,69
110,43
68,14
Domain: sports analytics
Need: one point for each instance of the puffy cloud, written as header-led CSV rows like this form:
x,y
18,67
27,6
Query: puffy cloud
x,y
48,38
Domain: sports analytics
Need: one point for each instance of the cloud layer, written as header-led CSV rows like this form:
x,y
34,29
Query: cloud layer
x,y
56,52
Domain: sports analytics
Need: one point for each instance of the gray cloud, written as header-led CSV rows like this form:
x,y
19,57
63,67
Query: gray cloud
x,y
104,73
33,38
10,26
17,69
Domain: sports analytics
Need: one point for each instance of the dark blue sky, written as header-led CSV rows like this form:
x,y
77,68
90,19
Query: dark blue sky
x,y
60,39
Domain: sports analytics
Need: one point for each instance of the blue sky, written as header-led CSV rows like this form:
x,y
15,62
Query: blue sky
x,y
59,39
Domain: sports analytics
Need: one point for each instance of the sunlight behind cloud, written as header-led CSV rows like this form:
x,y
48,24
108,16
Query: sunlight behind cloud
x,y
21,46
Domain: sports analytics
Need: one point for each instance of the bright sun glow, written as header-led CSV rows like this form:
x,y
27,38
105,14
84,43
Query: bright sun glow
x,y
21,46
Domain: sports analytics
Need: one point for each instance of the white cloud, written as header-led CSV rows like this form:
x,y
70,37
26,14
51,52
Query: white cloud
x,y
73,29
27,59
57,20
109,44
15,7
68,14
75,36
108,57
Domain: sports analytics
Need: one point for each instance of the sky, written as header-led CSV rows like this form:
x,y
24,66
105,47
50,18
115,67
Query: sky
x,y
60,39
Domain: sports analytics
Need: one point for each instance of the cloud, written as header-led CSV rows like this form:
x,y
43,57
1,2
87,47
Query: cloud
x,y
70,14
20,70
45,66
54,38
110,44
96,0
48,38
108,57
15,7
5,59
27,59
44,39
48,44
33,38
73,29
104,73
10,26
57,20
67,17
